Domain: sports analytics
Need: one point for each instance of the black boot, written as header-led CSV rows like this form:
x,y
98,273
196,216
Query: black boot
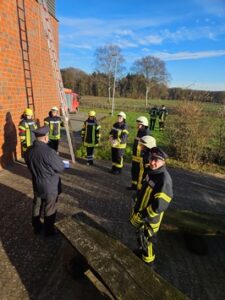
x,y
49,222
37,225
117,171
133,187
112,170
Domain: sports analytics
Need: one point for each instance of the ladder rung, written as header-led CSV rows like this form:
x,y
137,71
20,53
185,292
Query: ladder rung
x,y
27,70
23,20
20,8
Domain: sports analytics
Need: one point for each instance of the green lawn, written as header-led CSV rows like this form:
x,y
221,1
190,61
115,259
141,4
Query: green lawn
x,y
135,108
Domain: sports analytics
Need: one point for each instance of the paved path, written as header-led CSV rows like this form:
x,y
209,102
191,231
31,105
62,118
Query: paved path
x,y
27,262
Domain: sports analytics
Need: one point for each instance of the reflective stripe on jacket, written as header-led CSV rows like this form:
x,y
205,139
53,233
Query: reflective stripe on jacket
x,y
119,133
153,199
54,124
26,135
90,133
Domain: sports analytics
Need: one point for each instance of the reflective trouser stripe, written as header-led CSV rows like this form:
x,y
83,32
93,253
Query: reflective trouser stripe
x,y
118,165
135,220
90,153
150,256
135,170
141,172
136,159
117,158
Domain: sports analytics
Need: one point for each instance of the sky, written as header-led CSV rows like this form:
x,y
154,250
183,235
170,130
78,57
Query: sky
x,y
189,36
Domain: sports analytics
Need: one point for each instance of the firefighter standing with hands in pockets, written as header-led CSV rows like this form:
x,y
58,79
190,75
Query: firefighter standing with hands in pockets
x,y
151,203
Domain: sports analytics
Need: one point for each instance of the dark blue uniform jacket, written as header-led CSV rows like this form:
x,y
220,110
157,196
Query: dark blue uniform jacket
x,y
44,165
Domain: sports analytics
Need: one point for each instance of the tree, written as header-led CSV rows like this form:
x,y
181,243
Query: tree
x,y
109,60
154,71
76,79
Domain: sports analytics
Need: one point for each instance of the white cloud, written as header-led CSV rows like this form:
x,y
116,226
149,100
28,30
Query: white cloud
x,y
166,56
213,7
151,39
203,86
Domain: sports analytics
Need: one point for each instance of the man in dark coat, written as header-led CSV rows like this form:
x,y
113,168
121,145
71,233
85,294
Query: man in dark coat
x,y
44,165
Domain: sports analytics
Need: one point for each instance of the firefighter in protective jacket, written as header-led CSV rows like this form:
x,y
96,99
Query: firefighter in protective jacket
x,y
163,113
54,123
26,125
153,116
146,143
142,126
118,139
90,134
151,203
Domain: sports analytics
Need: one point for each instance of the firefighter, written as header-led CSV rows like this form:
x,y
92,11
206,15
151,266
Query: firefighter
x,y
54,123
44,165
151,203
118,140
153,116
142,127
26,125
90,134
146,143
163,113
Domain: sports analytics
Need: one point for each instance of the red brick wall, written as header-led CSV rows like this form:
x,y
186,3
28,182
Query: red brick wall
x,y
12,86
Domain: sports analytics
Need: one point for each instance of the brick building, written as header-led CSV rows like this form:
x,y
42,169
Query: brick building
x,y
13,90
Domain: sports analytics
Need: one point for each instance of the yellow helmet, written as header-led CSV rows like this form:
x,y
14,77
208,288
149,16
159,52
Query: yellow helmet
x,y
28,112
92,113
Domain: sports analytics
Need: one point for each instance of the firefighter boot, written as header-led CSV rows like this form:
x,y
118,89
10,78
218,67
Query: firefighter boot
x,y
49,222
112,170
37,225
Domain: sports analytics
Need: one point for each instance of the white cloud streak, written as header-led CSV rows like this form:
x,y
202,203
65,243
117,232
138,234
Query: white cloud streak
x,y
188,55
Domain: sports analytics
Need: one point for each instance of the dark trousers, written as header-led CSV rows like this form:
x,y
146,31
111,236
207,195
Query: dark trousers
x,y
152,124
90,154
49,206
135,171
161,125
54,144
117,158
148,248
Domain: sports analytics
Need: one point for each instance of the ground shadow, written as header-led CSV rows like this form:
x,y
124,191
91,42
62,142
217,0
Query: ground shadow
x,y
10,141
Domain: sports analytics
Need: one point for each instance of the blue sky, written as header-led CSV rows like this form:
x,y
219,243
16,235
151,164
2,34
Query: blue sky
x,y
188,35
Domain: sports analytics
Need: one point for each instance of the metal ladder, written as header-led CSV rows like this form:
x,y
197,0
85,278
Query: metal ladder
x,y
57,74
25,53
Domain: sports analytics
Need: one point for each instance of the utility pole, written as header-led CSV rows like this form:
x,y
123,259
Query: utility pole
x,y
114,84
146,96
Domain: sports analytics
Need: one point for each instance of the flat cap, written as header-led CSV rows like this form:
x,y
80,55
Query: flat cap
x,y
158,153
42,131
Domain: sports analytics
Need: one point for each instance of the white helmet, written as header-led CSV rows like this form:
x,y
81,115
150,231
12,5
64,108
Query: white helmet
x,y
55,108
142,120
148,141
122,114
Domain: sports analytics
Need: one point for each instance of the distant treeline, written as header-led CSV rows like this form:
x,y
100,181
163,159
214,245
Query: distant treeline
x,y
132,86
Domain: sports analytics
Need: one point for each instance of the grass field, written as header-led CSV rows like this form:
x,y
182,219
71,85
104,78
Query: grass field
x,y
134,108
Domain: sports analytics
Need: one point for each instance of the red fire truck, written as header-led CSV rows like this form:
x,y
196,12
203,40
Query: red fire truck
x,y
72,101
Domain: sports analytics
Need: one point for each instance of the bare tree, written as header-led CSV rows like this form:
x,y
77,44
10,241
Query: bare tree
x,y
154,71
108,60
